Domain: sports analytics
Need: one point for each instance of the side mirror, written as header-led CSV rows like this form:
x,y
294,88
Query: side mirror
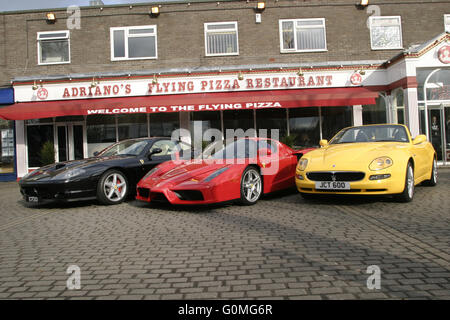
x,y
263,152
96,153
154,151
420,139
323,143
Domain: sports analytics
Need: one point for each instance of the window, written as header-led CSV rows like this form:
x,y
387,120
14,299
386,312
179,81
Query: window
x,y
7,147
163,124
53,47
272,119
304,125
101,132
334,119
238,119
132,126
168,147
201,121
38,136
376,113
221,39
386,33
447,22
303,35
132,43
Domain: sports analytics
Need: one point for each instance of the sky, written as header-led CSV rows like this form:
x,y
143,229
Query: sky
x,y
8,5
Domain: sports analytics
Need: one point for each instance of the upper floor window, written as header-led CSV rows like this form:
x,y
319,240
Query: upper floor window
x,y
53,47
132,43
447,22
386,32
303,35
221,39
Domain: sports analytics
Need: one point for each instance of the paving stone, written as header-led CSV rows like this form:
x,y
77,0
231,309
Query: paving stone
x,y
281,248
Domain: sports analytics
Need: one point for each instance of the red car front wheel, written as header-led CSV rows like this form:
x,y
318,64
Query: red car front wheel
x,y
251,186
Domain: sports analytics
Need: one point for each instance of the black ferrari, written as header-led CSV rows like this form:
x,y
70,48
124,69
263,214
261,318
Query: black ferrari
x,y
110,176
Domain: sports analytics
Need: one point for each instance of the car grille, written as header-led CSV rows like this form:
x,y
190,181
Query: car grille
x,y
158,197
336,176
37,192
144,192
189,195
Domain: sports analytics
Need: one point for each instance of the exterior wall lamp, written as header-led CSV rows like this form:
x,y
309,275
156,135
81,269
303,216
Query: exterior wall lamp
x,y
240,76
35,86
260,6
50,17
362,4
155,79
300,72
94,83
154,12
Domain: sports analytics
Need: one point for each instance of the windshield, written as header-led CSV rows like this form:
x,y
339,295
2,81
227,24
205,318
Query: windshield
x,y
128,147
236,149
379,133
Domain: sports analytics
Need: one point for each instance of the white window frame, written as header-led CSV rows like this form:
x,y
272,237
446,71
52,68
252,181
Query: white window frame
x,y
55,38
210,31
294,21
127,35
401,32
447,25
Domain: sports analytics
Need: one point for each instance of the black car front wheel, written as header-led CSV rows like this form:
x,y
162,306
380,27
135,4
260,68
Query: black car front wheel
x,y
112,187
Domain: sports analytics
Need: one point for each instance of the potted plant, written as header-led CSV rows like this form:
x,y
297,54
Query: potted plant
x,y
47,153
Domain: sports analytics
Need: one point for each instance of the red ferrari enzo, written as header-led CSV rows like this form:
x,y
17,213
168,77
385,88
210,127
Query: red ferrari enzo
x,y
239,169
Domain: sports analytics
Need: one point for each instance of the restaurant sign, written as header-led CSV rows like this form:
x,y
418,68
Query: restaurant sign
x,y
176,85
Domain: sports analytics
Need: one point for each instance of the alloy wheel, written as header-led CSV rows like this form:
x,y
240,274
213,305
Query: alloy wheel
x,y
115,187
410,182
435,174
252,186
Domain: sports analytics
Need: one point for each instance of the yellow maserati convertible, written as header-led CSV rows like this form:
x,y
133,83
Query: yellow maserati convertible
x,y
368,160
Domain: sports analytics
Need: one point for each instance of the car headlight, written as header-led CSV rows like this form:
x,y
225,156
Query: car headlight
x,y
302,164
70,174
381,163
151,172
215,174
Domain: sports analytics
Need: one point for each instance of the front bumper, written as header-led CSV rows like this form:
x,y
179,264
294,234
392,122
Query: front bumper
x,y
392,185
58,190
191,194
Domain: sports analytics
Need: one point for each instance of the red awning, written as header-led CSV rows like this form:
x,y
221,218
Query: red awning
x,y
192,102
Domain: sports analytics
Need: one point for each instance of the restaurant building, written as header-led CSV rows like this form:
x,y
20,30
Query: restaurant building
x,y
295,66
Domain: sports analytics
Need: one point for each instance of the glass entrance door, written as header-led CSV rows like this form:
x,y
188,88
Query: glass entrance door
x,y
437,131
62,151
70,141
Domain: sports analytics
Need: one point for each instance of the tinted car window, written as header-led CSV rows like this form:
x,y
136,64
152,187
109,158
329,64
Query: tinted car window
x,y
168,147
127,147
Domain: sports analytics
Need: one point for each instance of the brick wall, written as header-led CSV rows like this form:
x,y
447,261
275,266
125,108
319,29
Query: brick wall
x,y
181,34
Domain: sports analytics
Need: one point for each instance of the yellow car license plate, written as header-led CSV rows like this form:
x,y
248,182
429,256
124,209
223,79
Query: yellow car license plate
x,y
332,185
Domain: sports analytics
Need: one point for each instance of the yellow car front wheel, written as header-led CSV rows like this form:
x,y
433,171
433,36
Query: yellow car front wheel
x,y
408,192
434,176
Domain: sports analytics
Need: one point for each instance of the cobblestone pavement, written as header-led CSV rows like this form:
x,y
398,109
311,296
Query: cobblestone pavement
x,y
281,248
